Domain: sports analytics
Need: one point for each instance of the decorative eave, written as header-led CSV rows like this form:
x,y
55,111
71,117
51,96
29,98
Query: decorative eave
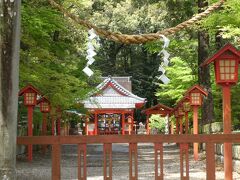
x,y
158,109
43,99
125,100
198,87
116,86
29,86
227,47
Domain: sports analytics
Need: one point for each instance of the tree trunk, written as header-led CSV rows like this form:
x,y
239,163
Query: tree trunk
x,y
204,72
9,56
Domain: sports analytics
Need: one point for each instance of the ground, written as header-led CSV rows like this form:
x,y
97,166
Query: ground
x,y
40,167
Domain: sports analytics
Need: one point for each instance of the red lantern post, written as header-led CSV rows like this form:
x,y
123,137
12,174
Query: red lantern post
x,y
226,63
44,108
30,100
186,109
180,117
196,97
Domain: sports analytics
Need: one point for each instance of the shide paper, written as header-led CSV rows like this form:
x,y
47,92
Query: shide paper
x,y
165,61
90,52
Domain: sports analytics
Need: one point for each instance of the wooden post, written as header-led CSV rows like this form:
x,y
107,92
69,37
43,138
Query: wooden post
x,y
56,162
123,123
210,161
186,123
9,68
132,114
181,124
30,130
195,131
227,129
96,123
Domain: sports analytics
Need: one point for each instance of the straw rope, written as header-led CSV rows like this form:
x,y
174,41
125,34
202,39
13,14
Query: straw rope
x,y
141,38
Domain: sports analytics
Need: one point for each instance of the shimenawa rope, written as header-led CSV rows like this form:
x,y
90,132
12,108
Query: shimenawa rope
x,y
141,38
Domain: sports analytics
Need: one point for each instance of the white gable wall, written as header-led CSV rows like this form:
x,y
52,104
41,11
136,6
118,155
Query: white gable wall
x,y
110,92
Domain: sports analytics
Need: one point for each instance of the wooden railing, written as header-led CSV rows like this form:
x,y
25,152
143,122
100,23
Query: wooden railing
x,y
132,140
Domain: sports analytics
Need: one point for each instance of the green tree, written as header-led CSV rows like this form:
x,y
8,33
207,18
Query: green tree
x,y
157,122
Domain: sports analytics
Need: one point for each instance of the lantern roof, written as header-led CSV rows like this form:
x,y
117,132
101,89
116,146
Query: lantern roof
x,y
185,98
197,87
232,51
158,109
27,88
43,99
112,95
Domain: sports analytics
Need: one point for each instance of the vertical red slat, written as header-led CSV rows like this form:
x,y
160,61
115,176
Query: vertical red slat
x,y
107,166
30,131
210,161
133,157
56,162
158,153
82,161
184,157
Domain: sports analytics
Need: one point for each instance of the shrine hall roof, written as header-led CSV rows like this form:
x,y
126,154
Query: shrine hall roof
x,y
111,95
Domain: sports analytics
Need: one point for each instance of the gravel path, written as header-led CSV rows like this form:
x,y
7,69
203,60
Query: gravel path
x,y
40,167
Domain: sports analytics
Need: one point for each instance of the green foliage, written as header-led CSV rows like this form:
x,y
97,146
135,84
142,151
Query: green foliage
x,y
53,55
53,48
225,22
157,122
181,79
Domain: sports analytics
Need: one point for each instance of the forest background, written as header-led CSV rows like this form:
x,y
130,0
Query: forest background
x,y
53,50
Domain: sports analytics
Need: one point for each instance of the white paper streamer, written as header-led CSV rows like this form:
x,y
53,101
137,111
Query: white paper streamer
x,y
165,62
90,52
88,71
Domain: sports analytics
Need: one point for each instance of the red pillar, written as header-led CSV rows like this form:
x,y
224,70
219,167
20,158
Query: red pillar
x,y
132,114
123,123
186,123
227,129
181,124
195,131
30,130
96,123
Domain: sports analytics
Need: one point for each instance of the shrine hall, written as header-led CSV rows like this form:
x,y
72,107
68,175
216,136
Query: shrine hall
x,y
111,107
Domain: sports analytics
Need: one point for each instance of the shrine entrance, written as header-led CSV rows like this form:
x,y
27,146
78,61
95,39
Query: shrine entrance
x,y
111,107
109,124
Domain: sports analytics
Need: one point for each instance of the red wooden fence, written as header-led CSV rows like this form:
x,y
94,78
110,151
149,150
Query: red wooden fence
x,y
132,140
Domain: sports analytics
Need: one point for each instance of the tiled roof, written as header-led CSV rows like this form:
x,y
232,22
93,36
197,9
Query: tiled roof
x,y
112,95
